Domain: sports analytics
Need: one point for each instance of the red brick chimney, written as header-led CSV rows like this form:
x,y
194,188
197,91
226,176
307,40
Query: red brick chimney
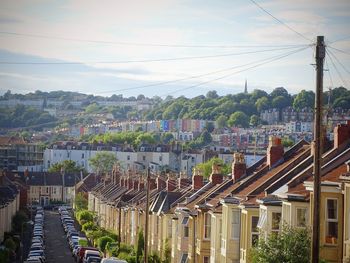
x,y
141,185
136,184
160,183
341,134
238,166
275,151
216,176
171,184
152,184
197,179
183,181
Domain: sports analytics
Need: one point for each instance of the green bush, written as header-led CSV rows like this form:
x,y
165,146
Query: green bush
x,y
4,256
103,241
18,221
10,244
84,216
89,226
290,245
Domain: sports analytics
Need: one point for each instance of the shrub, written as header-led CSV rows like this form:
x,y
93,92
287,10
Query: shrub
x,y
290,245
10,244
89,226
102,243
84,216
18,221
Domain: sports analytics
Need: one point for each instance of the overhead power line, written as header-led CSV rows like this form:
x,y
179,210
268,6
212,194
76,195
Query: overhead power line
x,y
341,64
136,44
280,21
140,60
336,69
236,72
186,78
339,50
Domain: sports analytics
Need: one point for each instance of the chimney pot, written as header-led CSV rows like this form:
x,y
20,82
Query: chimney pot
x,y
238,166
341,134
275,151
216,177
197,179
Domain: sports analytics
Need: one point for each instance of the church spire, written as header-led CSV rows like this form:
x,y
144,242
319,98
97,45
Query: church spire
x,y
245,87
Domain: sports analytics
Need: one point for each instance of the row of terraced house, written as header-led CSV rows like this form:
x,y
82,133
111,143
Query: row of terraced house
x,y
220,219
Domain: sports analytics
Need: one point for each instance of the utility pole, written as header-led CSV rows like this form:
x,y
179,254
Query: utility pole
x,y
319,56
120,224
147,214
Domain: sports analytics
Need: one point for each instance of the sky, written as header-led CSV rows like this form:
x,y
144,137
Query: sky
x,y
170,47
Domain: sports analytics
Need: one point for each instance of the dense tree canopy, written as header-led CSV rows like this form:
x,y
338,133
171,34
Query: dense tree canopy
x,y
102,162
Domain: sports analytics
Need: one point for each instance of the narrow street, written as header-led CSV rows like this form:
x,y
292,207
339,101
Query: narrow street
x,y
57,249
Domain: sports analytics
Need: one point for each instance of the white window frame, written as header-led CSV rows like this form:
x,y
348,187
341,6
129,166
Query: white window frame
x,y
235,223
279,223
184,224
331,220
207,225
262,218
253,233
296,214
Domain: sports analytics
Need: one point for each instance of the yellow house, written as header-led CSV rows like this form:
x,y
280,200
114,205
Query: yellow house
x,y
345,178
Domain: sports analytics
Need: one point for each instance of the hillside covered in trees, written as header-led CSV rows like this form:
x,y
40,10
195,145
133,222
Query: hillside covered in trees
x,y
243,108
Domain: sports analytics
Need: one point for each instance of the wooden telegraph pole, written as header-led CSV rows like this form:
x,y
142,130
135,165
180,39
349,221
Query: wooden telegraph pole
x,y
319,56
146,219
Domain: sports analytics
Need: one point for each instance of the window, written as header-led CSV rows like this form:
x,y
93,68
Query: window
x,y
47,190
68,155
332,221
184,258
206,260
275,223
82,156
186,230
235,220
262,218
160,158
301,217
144,158
207,225
220,229
128,157
255,231
170,229
54,190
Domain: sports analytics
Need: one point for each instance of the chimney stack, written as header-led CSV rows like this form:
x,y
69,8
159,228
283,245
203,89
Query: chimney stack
x,y
197,179
238,166
152,184
341,134
171,183
183,181
275,151
160,183
216,176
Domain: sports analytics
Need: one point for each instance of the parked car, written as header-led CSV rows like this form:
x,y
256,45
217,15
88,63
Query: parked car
x,y
82,253
113,260
90,253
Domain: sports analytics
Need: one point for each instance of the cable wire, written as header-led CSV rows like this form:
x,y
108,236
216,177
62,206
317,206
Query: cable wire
x,y
336,68
341,64
142,60
186,78
228,75
138,44
339,50
280,21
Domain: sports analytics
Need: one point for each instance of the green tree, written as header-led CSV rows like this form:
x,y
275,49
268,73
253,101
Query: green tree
x,y
287,142
18,221
212,94
102,162
290,245
85,216
206,167
280,102
89,226
167,252
80,202
68,166
167,137
140,246
254,120
304,99
239,119
102,243
262,104
221,121
257,94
